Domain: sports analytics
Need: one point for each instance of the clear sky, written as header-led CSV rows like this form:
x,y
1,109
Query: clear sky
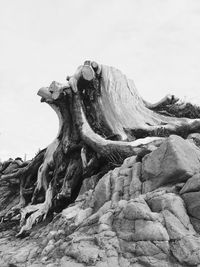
x,y
154,42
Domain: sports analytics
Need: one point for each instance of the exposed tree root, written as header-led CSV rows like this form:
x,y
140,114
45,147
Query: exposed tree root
x,y
102,120
34,213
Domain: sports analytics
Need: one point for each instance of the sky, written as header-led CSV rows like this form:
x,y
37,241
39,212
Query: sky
x,y
154,42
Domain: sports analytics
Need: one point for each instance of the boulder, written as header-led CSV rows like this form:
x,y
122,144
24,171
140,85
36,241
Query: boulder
x,y
171,202
174,226
196,224
175,161
192,185
186,250
149,231
192,203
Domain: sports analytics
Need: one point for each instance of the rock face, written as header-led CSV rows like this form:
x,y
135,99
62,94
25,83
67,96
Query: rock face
x,y
139,214
175,161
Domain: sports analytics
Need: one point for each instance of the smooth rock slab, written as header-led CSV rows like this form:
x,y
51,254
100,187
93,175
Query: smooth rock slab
x,y
135,185
192,185
196,224
102,192
83,252
139,210
149,231
175,161
175,228
192,201
187,250
172,203
148,248
22,254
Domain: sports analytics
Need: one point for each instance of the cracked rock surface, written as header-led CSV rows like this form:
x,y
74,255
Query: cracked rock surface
x,y
139,214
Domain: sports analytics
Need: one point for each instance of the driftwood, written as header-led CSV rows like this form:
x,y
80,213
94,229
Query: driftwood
x,y
102,120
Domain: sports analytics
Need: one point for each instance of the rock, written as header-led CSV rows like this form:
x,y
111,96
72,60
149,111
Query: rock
x,y
186,250
48,249
117,186
149,231
65,262
83,252
106,218
64,245
4,264
113,262
194,138
148,248
154,262
70,213
22,254
135,185
50,265
89,183
58,243
192,185
52,235
33,253
175,228
164,246
139,210
174,161
102,192
192,203
124,262
196,224
61,232
128,162
171,202
36,265
125,171
123,221
82,215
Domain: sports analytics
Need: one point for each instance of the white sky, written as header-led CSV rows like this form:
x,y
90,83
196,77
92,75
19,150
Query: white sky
x,y
155,42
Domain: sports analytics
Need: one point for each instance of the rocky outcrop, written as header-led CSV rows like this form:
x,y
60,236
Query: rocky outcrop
x,y
175,161
142,213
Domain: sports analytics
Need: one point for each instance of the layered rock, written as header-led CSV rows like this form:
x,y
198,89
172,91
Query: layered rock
x,y
142,213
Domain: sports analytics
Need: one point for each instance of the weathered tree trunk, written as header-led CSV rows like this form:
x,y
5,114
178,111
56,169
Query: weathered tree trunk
x,y
102,120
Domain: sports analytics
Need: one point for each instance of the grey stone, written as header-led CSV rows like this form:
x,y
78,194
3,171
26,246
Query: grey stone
x,y
175,161
89,183
172,203
175,228
196,224
187,250
192,185
135,187
102,192
192,203
149,231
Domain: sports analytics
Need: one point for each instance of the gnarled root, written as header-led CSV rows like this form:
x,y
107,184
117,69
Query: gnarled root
x,y
36,213
103,120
